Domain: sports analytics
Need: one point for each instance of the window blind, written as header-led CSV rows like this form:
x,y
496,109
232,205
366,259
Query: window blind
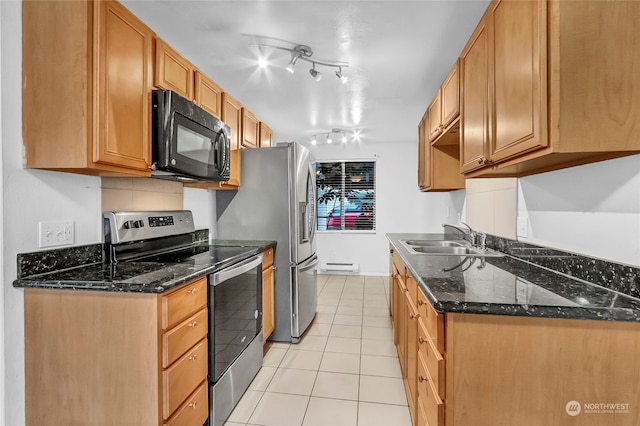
x,y
346,195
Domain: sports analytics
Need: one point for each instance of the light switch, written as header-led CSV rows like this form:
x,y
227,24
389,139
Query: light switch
x,y
52,234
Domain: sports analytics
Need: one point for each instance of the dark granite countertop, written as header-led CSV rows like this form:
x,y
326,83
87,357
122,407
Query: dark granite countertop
x,y
512,285
83,268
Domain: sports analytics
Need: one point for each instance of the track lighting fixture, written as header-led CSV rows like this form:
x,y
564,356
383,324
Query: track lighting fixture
x,y
302,52
343,135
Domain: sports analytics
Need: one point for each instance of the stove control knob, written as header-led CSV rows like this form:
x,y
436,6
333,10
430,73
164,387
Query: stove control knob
x,y
130,224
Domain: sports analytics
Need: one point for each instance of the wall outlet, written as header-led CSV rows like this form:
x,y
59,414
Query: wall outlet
x,y
522,226
52,234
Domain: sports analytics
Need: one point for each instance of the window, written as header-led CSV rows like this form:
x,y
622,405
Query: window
x,y
346,193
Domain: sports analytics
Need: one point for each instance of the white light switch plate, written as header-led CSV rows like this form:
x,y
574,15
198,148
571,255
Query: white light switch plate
x,y
52,234
522,226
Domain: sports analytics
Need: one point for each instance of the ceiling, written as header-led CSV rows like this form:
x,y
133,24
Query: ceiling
x,y
398,54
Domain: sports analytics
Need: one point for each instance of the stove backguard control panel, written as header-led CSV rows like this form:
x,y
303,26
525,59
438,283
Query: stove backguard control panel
x,y
121,227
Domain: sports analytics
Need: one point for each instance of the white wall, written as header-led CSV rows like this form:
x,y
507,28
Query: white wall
x,y
30,196
400,206
592,209
2,345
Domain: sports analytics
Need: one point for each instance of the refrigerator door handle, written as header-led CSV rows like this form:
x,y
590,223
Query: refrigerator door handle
x,y
303,214
311,263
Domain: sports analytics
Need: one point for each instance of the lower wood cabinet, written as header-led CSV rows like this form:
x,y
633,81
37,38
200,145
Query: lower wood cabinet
x,y
465,369
268,301
104,358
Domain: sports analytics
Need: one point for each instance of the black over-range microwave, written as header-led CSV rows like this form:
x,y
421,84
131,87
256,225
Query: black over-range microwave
x,y
188,143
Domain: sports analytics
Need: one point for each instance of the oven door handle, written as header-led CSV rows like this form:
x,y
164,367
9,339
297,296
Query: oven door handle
x,y
237,269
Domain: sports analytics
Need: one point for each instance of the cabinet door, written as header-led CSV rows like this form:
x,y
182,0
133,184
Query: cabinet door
x,y
424,161
265,135
250,129
208,94
518,51
450,96
123,97
474,80
232,116
412,352
268,306
172,71
434,114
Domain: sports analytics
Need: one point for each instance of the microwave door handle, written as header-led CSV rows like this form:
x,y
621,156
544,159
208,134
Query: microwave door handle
x,y
220,152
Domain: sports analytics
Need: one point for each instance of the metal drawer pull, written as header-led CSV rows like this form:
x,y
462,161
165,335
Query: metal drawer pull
x,y
420,302
191,291
192,358
194,404
421,340
412,316
421,379
193,324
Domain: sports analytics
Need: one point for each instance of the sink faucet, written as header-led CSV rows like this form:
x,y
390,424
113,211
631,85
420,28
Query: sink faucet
x,y
477,239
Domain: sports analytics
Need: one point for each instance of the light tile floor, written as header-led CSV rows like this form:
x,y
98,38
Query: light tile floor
x,y
344,371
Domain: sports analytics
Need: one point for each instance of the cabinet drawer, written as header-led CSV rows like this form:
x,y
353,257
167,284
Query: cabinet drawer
x,y
184,302
267,258
433,321
434,362
433,405
194,411
179,380
179,339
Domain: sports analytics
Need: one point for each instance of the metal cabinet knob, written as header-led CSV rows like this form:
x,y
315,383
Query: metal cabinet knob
x,y
193,324
193,358
421,340
194,404
191,291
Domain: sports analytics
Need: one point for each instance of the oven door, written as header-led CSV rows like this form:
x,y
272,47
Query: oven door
x,y
235,313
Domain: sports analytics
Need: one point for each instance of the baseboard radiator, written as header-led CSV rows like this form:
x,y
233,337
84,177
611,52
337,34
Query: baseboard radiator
x,y
339,267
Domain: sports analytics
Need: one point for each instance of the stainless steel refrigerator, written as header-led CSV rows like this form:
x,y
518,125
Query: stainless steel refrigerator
x,y
276,201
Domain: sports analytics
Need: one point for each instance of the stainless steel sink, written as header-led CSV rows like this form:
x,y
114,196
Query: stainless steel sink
x,y
433,243
447,248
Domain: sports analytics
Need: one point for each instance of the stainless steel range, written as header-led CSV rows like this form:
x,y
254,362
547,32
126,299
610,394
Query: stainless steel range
x,y
234,293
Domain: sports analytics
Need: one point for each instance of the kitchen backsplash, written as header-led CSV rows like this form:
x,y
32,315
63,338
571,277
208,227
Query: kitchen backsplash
x,y
615,276
135,194
491,205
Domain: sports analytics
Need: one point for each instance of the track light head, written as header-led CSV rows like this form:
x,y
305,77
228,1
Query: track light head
x,y
317,75
343,78
291,66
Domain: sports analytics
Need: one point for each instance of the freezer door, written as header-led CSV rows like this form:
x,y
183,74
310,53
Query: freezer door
x,y
304,300
303,243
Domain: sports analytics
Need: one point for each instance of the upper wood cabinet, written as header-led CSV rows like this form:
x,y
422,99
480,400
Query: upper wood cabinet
x,y
450,96
438,162
172,71
504,80
540,95
208,94
424,171
474,115
445,106
90,113
265,135
250,130
434,114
